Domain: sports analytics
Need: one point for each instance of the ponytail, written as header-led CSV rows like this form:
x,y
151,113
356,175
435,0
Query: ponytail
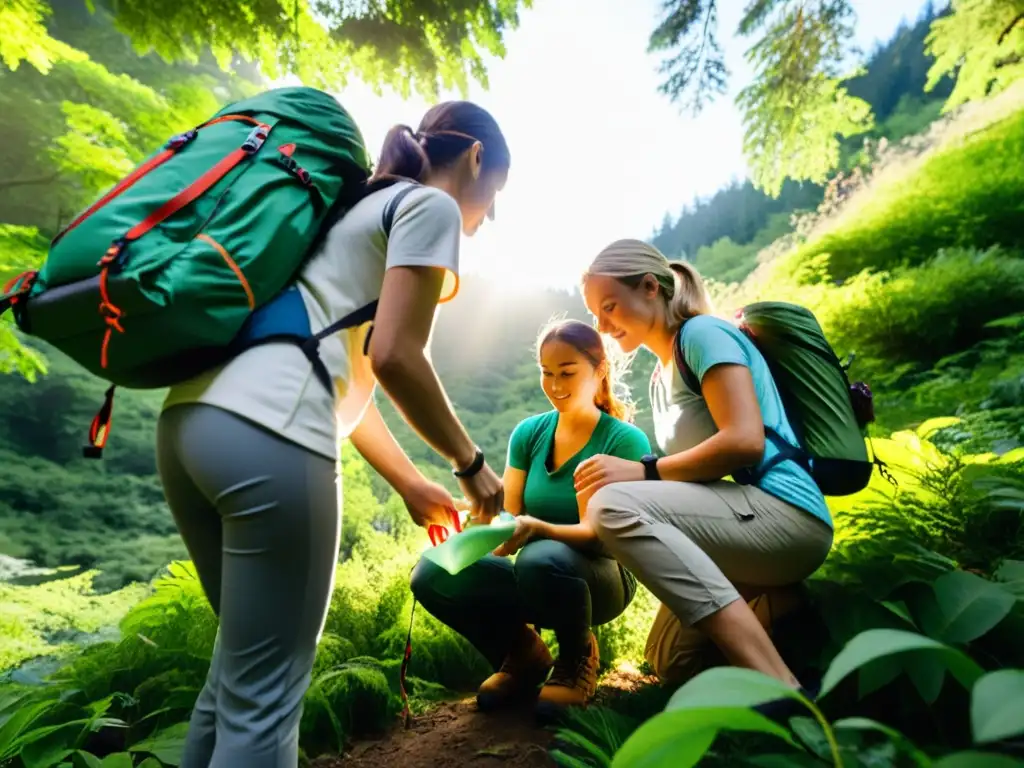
x,y
689,296
446,131
606,401
403,156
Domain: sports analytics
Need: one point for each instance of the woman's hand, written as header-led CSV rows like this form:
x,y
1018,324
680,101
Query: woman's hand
x,y
429,503
598,471
485,492
526,528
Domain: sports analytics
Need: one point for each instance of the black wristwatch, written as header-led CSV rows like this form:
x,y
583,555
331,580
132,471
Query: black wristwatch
x,y
474,466
650,462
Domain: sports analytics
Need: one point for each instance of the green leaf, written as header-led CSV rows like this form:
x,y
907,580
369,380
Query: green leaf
x,y
11,730
961,607
927,673
119,760
166,745
83,759
1011,575
151,762
730,687
997,706
680,738
898,739
582,744
561,759
977,760
874,644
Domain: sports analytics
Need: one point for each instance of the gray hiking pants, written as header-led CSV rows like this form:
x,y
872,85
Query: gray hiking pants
x,y
259,517
696,546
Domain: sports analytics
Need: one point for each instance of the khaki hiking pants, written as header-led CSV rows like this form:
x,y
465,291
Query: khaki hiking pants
x,y
700,546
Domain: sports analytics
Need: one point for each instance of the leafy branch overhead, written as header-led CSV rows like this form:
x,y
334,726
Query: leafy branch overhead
x,y
796,110
408,45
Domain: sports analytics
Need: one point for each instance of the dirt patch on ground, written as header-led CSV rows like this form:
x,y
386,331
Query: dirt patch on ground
x,y
454,734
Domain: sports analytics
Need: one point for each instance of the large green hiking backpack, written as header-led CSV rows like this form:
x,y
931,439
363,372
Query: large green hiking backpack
x,y
192,256
827,412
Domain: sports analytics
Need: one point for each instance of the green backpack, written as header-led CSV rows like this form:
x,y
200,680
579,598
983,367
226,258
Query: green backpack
x,y
827,412
192,256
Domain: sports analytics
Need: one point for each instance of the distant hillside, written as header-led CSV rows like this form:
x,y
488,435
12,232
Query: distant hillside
x,y
722,234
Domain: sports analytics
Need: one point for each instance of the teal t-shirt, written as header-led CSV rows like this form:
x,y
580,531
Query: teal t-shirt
x,y
551,496
708,341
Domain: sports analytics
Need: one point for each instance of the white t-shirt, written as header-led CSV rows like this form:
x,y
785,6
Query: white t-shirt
x,y
273,384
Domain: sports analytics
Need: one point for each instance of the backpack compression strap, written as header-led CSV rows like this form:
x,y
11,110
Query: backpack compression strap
x,y
747,475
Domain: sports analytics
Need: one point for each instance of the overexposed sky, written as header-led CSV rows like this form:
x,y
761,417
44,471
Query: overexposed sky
x,y
597,152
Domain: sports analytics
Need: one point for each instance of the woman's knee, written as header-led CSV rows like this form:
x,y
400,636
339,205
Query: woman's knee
x,y
425,580
609,510
540,560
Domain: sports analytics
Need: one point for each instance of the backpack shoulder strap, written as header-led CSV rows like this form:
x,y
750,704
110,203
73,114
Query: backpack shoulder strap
x,y
387,220
689,377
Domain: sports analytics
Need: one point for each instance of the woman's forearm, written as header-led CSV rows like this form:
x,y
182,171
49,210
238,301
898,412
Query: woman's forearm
x,y
378,446
721,454
577,535
410,382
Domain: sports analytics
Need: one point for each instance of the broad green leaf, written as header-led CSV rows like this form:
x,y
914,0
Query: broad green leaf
x,y
12,729
878,675
150,762
997,706
49,750
809,731
898,739
83,759
1011,576
900,609
961,607
874,644
977,760
166,745
926,672
118,760
730,687
680,738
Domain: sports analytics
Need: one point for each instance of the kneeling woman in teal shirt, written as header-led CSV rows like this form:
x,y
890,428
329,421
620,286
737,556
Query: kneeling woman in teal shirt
x,y
561,579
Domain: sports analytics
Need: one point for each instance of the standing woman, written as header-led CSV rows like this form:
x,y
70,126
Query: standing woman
x,y
695,540
246,452
561,579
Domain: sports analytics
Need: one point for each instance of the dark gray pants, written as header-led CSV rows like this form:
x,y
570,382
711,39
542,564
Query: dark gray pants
x,y
550,584
259,517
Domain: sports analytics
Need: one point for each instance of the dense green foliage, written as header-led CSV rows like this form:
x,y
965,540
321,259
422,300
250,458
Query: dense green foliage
x,y
918,268
414,44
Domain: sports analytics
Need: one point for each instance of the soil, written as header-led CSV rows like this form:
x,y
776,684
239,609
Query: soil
x,y
455,734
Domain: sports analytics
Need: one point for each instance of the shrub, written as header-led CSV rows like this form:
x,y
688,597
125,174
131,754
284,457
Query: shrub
x,y
922,313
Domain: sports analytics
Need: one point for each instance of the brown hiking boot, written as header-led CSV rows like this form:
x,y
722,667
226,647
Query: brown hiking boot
x,y
573,681
523,670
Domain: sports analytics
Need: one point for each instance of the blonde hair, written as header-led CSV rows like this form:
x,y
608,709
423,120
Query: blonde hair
x,y
588,342
630,261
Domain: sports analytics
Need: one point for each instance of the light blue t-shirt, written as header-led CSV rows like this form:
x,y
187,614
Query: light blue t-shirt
x,y
682,419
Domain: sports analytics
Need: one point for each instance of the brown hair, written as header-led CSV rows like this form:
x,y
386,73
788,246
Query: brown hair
x,y
588,342
682,286
446,131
